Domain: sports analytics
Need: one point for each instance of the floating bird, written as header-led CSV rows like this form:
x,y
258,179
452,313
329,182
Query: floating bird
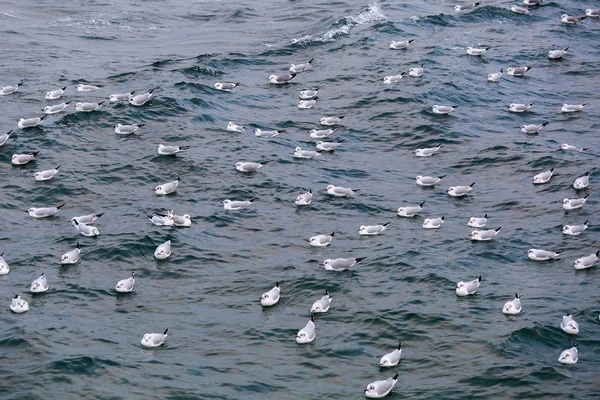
x,y
25,123
573,204
582,182
46,175
587,261
55,109
400,44
519,108
22,159
154,339
569,356
321,133
575,230
416,72
566,146
84,229
569,108
428,180
87,88
127,129
427,152
541,255
460,191
372,230
304,199
328,146
309,94
162,219
71,257
517,71
306,154
141,99
226,86
294,69
4,90
512,307
171,150
331,120
43,212
234,127
268,133
243,166
182,221
532,2
533,128
163,250
4,267
321,305
339,191
308,333
495,76
519,10
237,205
39,285
87,107
409,211
437,109
391,359
484,236
477,222
592,13
554,54
18,305
340,264
543,177
433,223
379,389
306,104
567,19
120,97
569,325
4,137
474,51
126,285
467,288
167,188
271,297
87,219
321,240
281,79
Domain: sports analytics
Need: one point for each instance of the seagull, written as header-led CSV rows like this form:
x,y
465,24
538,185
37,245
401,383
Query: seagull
x,y
331,120
167,188
306,104
22,159
592,13
340,264
126,285
226,86
460,191
171,150
4,267
566,19
379,389
25,123
575,230
4,90
372,230
566,146
393,78
162,219
409,211
309,94
495,76
87,219
391,359
484,236
249,166
519,108
587,261
416,72
569,108
163,250
55,109
543,177
307,154
304,199
467,288
87,88
569,356
281,79
339,191
39,285
465,7
321,240
308,333
120,97
427,152
71,257
443,109
573,204
46,175
477,222
519,10
182,221
400,44
433,223
234,127
85,230
532,2
4,137
271,297
237,205
474,51
328,146
428,180
154,339
542,255
321,305
127,129
87,107
321,133
268,133
141,99
18,305
582,182
294,69
569,325
512,307
44,212
557,53
517,71
533,128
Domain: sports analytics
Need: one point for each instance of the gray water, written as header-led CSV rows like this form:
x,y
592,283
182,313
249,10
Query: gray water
x,y
82,340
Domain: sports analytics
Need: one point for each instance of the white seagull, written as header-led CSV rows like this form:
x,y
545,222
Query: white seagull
x,y
9,89
393,78
281,79
416,72
120,97
433,223
495,76
309,94
306,104
477,222
569,325
542,255
467,288
575,230
567,19
372,230
557,53
474,51
391,359
321,305
237,205
304,199
587,261
573,204
87,107
533,128
226,86
379,389
592,13
512,307
141,99
569,356
517,71
126,285
39,285
171,150
296,68
25,123
427,152
409,211
46,175
308,333
87,219
519,108
582,182
18,305
400,44
4,137
328,121
543,177
340,264
268,133
4,267
329,146
339,191
321,133
244,166
87,88
460,191
321,240
154,339
84,229
167,188
22,159
55,109
127,129
519,10
163,250
71,257
566,146
569,108
306,154
271,297
232,127
437,109
44,212
484,236
162,219
428,180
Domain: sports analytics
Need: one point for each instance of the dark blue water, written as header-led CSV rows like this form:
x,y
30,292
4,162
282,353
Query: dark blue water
x,y
80,339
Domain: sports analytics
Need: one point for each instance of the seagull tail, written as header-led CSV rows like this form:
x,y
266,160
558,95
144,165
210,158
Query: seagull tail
x,y
359,259
498,230
421,205
253,200
165,332
59,207
385,225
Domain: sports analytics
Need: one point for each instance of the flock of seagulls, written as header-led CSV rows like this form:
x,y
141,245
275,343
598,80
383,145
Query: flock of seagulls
x,y
307,99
